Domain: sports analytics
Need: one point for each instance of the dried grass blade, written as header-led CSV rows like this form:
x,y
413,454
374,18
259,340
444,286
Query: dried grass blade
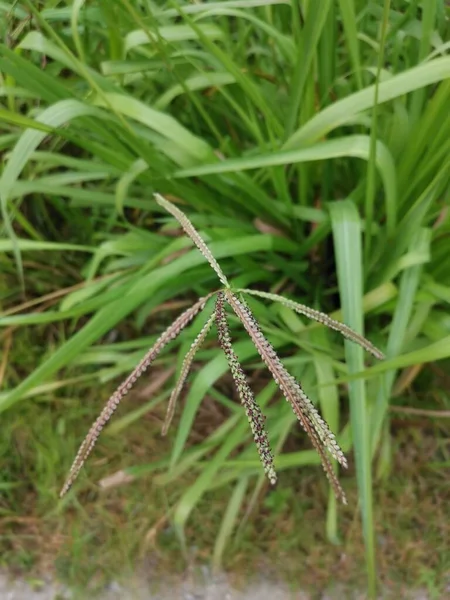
x,y
193,234
308,416
252,409
90,440
316,315
185,368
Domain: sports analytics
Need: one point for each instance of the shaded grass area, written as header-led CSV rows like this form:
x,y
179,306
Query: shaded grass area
x,y
112,533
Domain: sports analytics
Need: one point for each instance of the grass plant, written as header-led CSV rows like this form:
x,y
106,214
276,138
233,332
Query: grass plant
x,y
309,143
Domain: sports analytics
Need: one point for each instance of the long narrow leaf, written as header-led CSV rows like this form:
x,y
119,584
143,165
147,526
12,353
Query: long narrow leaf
x,y
347,242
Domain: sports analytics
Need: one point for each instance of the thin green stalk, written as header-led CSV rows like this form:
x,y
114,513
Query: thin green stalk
x,y
351,38
371,166
429,13
315,19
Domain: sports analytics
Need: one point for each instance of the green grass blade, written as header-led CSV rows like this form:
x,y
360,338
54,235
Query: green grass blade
x,y
194,83
371,164
60,113
251,91
195,492
428,24
346,109
427,353
191,147
357,146
409,283
316,15
210,473
229,521
38,246
124,183
351,37
346,228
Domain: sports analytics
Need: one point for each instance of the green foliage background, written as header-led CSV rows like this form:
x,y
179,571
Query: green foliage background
x,y
308,141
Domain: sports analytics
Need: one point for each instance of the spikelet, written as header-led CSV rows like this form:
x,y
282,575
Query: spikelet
x,y
91,439
193,234
316,315
252,410
185,368
306,413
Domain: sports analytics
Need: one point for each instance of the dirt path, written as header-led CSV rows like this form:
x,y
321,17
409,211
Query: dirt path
x,y
216,590
220,589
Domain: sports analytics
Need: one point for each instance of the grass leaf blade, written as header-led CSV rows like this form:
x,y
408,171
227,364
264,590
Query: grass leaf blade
x,y
347,242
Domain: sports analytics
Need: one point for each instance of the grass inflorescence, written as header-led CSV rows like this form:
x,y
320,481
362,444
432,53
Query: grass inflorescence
x,y
316,428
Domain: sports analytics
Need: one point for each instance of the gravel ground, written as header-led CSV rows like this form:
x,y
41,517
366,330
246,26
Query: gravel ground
x,y
218,589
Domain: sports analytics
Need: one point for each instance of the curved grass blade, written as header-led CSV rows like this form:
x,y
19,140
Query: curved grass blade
x,y
316,315
306,413
253,411
91,439
185,368
341,111
193,234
